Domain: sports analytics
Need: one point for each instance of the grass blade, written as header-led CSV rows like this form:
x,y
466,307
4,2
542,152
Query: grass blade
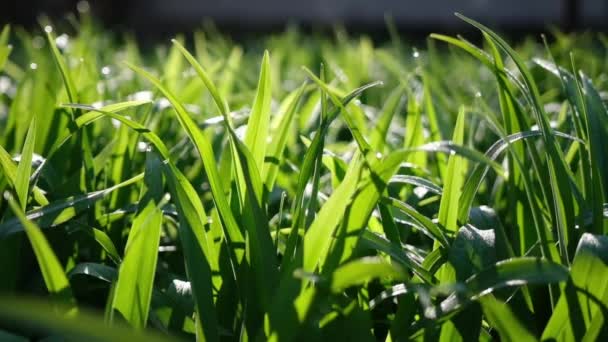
x,y
259,120
24,170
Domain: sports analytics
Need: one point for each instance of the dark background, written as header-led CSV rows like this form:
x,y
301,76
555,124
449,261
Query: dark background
x,y
161,17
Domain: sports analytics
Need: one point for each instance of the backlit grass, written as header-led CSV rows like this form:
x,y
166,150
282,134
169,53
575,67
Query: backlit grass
x,y
302,187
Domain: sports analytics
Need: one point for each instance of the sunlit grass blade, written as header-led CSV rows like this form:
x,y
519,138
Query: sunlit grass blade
x,y
391,108
52,271
455,173
360,271
24,170
9,170
582,305
133,288
279,141
319,236
5,48
205,150
559,178
197,250
500,316
256,137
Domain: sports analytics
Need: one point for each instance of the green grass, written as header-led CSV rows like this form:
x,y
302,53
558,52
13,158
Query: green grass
x,y
302,187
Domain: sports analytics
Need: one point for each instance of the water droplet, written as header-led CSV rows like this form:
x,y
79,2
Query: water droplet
x,y
5,85
62,41
48,29
116,123
416,54
83,6
478,94
142,146
106,70
33,66
7,195
378,155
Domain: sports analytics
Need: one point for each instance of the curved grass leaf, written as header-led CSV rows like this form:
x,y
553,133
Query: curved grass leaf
x,y
396,253
54,276
581,311
360,271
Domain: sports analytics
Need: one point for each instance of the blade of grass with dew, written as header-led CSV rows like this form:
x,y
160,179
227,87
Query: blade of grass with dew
x,y
24,169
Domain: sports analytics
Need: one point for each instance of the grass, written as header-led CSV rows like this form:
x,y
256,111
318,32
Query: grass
x,y
322,188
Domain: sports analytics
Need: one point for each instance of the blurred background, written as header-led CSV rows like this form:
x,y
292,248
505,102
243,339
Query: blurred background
x,y
154,17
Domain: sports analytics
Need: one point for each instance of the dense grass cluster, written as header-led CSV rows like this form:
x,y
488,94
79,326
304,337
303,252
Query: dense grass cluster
x,y
326,189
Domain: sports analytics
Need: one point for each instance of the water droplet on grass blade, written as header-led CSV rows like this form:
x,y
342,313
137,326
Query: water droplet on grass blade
x,y
62,41
33,66
48,29
142,146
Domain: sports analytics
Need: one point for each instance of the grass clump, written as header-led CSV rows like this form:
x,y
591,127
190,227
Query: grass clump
x,y
222,193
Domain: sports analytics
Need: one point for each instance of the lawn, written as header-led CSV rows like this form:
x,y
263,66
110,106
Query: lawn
x,y
302,187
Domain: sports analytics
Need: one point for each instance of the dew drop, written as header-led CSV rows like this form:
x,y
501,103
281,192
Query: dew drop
x,y
62,41
416,54
48,29
106,70
142,146
33,66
